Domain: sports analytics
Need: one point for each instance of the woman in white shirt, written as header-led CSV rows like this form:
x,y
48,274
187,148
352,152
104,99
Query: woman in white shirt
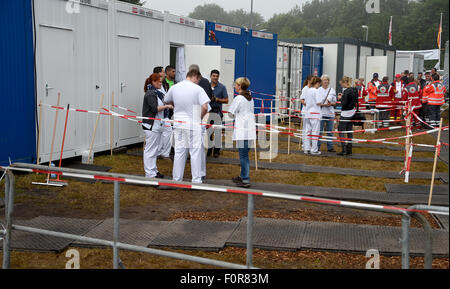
x,y
329,100
242,110
313,115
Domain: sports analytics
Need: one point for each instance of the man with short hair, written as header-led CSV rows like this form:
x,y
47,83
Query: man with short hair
x,y
421,80
169,80
424,113
220,97
203,83
190,107
405,77
398,95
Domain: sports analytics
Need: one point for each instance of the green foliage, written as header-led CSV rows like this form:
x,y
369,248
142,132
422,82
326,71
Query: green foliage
x,y
415,22
213,12
135,2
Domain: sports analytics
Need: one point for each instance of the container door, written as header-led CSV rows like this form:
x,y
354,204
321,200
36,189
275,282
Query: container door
x,y
58,74
131,89
376,64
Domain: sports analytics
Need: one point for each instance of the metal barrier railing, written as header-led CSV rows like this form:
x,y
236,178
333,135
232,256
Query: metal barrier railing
x,y
407,214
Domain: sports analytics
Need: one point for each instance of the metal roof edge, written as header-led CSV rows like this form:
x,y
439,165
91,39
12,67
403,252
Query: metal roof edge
x,y
338,40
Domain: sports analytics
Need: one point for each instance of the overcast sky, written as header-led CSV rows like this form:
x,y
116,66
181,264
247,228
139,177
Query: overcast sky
x,y
264,7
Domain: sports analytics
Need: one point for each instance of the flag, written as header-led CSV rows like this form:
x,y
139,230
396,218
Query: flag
x,y
390,33
438,65
439,34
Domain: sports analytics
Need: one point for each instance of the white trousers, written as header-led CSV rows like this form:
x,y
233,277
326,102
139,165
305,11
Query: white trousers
x,y
311,127
151,153
188,141
165,144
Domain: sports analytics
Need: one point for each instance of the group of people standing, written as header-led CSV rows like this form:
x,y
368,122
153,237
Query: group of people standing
x,y
426,96
175,113
388,100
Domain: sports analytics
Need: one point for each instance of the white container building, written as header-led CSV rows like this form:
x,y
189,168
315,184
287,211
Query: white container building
x,y
102,48
351,57
413,62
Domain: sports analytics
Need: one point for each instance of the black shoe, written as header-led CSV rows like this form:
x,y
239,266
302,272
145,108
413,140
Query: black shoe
x,y
237,180
348,153
331,151
159,176
244,185
203,178
216,156
342,153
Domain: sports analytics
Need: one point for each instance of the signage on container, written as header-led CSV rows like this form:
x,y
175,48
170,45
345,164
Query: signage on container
x,y
263,35
228,29
145,13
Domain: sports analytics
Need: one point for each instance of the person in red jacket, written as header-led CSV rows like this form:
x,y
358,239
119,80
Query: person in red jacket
x,y
398,94
362,93
384,101
414,96
372,88
435,93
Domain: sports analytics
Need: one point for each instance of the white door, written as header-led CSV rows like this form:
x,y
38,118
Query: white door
x,y
131,85
376,64
227,76
57,76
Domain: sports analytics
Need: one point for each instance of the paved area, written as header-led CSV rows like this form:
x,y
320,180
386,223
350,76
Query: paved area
x,y
269,234
344,194
325,170
416,189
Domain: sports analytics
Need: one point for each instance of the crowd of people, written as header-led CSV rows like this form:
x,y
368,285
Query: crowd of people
x,y
386,100
176,111
187,103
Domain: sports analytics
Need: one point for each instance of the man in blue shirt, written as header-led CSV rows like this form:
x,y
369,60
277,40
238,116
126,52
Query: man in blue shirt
x,y
220,97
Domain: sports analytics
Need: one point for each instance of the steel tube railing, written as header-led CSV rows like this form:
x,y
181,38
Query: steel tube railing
x,y
117,178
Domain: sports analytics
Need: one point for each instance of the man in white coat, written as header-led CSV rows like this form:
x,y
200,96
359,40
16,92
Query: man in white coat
x,y
190,106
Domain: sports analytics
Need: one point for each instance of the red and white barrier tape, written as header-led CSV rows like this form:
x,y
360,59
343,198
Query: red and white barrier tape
x,y
204,187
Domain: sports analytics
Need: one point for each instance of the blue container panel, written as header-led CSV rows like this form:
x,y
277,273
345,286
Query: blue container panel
x,y
231,41
261,70
17,102
257,61
312,62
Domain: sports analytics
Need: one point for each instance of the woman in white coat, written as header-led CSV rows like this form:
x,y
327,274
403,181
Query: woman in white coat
x,y
242,110
153,108
313,116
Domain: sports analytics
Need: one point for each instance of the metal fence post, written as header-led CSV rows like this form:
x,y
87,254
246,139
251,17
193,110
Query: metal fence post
x,y
116,224
250,209
406,220
9,206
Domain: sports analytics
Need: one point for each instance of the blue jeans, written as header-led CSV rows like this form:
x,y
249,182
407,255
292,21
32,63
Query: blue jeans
x,y
243,147
329,123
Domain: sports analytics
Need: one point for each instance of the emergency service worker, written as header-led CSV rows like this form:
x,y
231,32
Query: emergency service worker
x,y
436,97
399,97
384,101
372,88
414,96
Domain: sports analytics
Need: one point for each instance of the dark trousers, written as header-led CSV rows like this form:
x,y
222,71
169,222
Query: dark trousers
x,y
434,114
346,126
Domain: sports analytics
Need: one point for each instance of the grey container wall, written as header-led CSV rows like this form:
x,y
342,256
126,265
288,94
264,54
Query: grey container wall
x,y
345,56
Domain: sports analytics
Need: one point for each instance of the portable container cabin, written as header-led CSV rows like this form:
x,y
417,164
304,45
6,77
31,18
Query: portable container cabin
x,y
82,50
351,57
413,62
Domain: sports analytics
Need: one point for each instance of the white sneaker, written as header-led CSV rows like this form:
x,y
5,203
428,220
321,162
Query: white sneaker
x,y
316,153
307,152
